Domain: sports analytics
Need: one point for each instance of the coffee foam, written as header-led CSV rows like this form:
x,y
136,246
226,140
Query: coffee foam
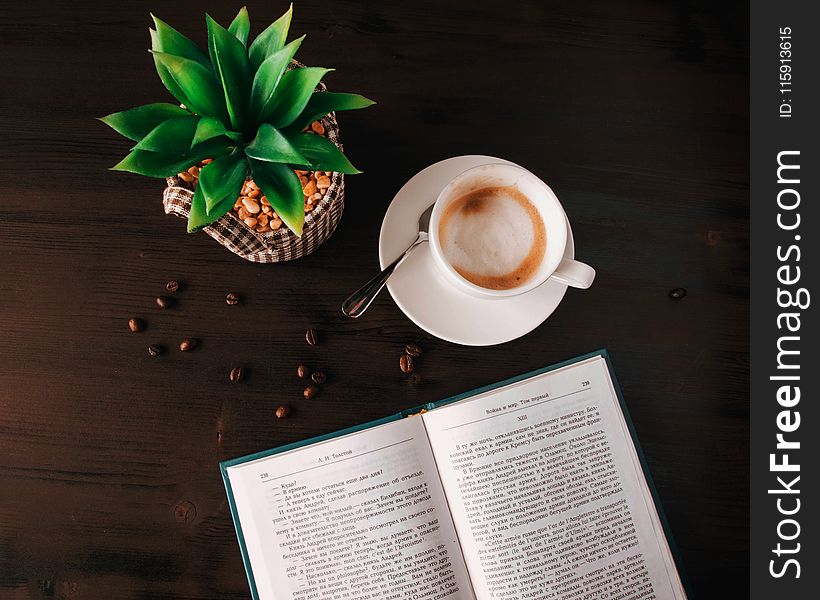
x,y
494,237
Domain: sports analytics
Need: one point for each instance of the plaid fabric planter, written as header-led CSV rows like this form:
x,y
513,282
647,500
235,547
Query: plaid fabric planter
x,y
272,246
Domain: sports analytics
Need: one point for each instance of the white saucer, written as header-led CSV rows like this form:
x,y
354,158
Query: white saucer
x,y
420,290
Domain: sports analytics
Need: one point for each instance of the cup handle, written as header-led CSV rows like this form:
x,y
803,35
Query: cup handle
x,y
574,274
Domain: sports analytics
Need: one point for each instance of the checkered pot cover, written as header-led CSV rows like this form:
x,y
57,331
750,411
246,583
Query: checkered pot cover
x,y
273,246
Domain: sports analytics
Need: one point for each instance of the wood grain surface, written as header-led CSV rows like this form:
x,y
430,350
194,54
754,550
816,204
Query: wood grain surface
x,y
636,112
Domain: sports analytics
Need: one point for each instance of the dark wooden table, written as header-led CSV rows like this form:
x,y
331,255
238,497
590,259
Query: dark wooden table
x,y
636,112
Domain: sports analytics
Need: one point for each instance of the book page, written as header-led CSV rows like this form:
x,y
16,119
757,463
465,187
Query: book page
x,y
356,517
547,494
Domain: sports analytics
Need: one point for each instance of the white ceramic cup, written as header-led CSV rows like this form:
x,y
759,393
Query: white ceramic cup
x,y
568,271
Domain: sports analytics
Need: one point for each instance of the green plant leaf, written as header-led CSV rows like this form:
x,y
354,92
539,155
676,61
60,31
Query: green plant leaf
x,y
222,178
213,148
165,75
170,41
155,164
271,40
172,136
292,94
323,103
322,153
284,192
268,76
233,70
271,146
198,85
241,26
136,123
166,164
198,216
209,128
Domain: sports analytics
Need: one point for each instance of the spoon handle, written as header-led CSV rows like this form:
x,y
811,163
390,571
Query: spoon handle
x,y
358,301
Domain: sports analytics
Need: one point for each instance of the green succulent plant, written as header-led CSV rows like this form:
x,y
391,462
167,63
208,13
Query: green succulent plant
x,y
241,107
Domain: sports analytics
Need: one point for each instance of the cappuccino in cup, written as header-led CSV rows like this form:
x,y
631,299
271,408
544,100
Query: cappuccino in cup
x,y
494,237
497,230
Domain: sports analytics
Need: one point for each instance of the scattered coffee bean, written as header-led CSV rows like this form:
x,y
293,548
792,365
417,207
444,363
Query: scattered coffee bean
x,y
232,299
172,286
406,363
135,325
413,350
310,392
311,337
155,349
302,371
188,344
318,377
282,412
165,302
677,293
236,374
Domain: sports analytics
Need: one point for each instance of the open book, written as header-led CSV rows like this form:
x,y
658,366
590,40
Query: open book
x,y
532,488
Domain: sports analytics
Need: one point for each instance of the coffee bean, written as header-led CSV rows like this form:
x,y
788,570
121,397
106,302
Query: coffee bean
x,y
302,371
188,344
413,350
310,392
155,349
311,337
282,412
135,325
236,374
406,363
677,293
165,302
172,286
318,377
232,299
